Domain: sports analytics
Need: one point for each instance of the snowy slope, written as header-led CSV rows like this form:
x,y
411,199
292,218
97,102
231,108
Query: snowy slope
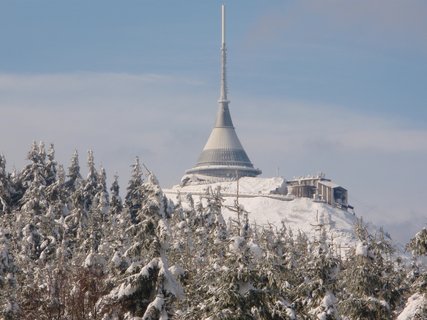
x,y
246,185
414,305
257,195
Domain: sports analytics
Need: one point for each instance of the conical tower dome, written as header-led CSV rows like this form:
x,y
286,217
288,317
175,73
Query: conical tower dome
x,y
223,155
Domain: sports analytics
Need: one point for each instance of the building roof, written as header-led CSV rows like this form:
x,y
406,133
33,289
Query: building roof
x,y
330,184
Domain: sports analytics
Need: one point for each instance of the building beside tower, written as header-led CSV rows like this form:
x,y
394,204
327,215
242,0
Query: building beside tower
x,y
223,157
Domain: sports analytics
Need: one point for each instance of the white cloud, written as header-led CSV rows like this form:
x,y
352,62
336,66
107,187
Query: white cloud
x,y
302,125
389,23
67,81
120,116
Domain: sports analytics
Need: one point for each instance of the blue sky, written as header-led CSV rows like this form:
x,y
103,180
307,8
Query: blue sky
x,y
332,86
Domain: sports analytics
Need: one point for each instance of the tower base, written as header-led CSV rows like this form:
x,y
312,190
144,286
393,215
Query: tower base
x,y
210,174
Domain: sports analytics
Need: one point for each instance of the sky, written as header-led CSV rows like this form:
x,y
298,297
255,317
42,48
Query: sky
x,y
327,86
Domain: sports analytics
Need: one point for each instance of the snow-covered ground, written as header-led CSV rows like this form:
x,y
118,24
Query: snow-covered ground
x,y
414,305
259,197
246,185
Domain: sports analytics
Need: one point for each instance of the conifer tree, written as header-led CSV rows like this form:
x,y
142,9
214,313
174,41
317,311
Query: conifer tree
x,y
34,172
8,271
91,183
6,189
416,304
102,200
418,244
51,166
74,176
34,200
320,269
368,281
99,226
134,189
235,283
58,196
116,204
147,289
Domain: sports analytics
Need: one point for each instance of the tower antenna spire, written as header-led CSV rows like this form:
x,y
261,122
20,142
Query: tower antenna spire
x,y
223,95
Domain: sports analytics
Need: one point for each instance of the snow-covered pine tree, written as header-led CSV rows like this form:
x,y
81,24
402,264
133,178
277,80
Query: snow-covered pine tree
x,y
195,232
90,187
33,206
368,283
37,157
6,189
214,215
133,195
50,167
52,231
181,236
32,181
117,236
116,204
234,284
418,247
81,221
8,270
74,177
206,225
58,195
416,304
34,154
42,151
76,230
281,272
418,244
147,289
34,201
102,199
320,268
99,228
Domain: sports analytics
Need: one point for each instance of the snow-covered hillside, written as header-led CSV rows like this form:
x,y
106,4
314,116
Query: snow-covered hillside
x,y
261,198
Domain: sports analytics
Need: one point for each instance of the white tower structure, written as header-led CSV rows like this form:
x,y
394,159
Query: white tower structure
x,y
223,156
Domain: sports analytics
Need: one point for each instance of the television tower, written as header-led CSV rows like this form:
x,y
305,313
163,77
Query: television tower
x,y
223,156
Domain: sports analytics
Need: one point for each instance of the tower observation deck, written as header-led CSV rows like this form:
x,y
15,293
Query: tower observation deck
x,y
223,156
